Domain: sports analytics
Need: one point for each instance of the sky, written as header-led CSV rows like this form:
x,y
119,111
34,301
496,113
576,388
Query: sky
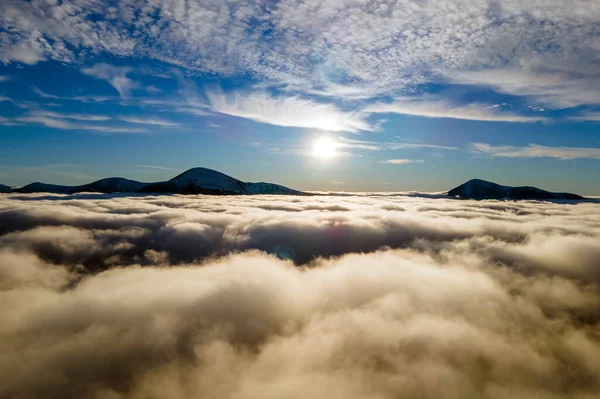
x,y
315,95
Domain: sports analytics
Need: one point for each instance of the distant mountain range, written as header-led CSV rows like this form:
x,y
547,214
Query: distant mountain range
x,y
208,181
193,181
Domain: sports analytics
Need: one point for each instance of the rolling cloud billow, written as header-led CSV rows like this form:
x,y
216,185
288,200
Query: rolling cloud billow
x,y
354,296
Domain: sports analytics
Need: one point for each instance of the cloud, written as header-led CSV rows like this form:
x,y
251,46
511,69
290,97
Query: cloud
x,y
543,51
557,88
85,99
116,76
418,146
360,144
401,161
379,146
288,111
149,121
536,151
78,117
45,119
160,296
589,116
436,108
4,78
22,53
153,89
155,167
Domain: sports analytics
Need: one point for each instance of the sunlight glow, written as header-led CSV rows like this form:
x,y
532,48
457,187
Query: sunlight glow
x,y
324,148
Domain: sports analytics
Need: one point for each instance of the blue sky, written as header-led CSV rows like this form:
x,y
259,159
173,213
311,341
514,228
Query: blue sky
x,y
408,95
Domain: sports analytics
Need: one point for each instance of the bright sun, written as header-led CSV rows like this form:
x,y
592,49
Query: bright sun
x,y
324,148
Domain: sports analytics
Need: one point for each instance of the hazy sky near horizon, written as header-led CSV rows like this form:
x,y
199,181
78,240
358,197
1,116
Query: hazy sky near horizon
x,y
406,95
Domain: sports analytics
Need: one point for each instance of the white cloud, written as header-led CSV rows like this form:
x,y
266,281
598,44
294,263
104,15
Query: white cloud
x,y
22,53
402,297
155,167
116,76
416,146
46,121
536,151
360,144
149,121
379,146
340,48
4,78
288,111
589,116
438,108
60,123
555,88
78,117
401,161
153,89
85,99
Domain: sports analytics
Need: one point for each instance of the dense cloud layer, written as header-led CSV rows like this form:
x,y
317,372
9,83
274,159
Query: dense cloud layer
x,y
370,296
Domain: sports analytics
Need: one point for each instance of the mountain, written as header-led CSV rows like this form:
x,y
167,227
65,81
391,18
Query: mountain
x,y
112,185
108,185
38,187
5,189
481,189
208,181
193,181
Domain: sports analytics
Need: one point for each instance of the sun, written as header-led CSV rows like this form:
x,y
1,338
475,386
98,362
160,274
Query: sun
x,y
324,148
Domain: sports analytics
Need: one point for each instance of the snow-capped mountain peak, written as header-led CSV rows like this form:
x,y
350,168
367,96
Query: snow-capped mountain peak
x,y
207,178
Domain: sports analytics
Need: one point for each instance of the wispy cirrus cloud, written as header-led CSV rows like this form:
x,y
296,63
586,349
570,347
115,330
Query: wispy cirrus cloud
x,y
587,117
62,123
148,121
439,108
288,111
115,75
154,167
85,99
536,151
345,142
556,86
78,117
417,146
401,161
65,121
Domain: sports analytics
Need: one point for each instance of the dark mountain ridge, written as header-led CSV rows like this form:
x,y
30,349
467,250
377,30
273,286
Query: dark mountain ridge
x,y
207,181
481,189
192,181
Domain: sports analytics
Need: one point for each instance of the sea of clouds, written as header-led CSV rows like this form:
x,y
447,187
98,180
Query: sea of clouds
x,y
354,296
